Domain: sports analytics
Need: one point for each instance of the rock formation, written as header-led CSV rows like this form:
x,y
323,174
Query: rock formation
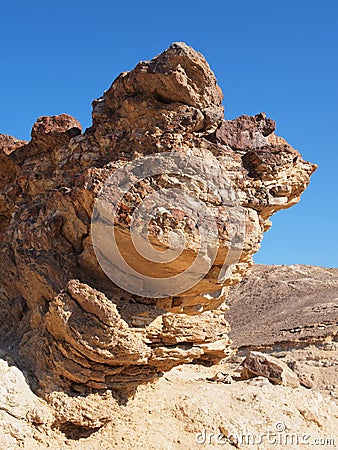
x,y
82,336
179,408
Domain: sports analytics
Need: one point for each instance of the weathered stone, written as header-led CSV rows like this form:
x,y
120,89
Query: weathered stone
x,y
8,144
305,380
258,364
178,76
55,130
245,133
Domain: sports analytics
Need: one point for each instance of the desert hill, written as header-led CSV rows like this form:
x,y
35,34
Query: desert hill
x,y
288,303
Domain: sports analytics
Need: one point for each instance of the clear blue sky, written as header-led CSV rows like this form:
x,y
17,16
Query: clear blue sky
x,y
280,57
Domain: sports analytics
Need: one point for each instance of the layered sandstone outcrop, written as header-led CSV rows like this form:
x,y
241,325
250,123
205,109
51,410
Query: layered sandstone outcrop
x,y
83,324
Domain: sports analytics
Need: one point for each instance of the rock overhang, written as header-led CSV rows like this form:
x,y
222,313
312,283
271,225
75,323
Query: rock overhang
x,y
83,330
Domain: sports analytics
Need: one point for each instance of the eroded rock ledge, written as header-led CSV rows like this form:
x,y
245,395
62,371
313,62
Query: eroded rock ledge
x,y
77,333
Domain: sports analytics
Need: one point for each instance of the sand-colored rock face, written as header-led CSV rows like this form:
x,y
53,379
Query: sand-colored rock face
x,y
83,322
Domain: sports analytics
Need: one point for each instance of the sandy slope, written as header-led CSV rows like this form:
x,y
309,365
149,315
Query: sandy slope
x,y
282,303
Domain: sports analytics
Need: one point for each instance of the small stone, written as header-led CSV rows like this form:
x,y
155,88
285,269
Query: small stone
x,y
305,380
220,377
260,364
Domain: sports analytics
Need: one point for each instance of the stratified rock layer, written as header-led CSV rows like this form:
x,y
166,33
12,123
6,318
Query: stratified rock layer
x,y
76,330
